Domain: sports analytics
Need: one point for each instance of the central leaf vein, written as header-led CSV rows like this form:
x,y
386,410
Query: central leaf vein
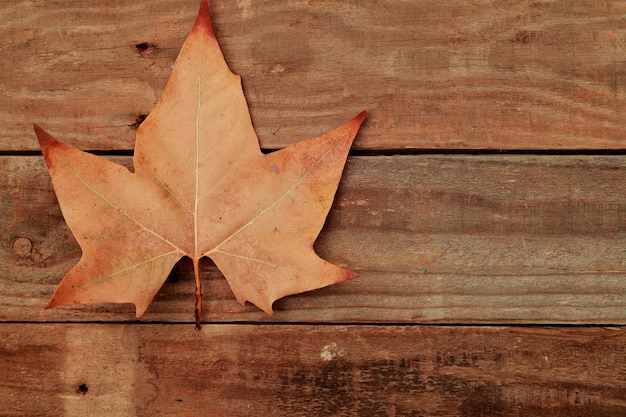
x,y
197,165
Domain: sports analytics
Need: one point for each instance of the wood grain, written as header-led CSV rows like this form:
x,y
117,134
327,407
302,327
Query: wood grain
x,y
435,239
436,75
240,370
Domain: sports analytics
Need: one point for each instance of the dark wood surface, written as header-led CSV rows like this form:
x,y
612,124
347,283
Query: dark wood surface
x,y
490,284
285,370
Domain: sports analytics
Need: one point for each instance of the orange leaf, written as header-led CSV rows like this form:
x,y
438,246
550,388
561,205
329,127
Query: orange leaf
x,y
201,187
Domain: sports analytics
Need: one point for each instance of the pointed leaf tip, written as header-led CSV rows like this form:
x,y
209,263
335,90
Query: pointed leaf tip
x,y
43,137
355,123
203,20
359,118
47,143
353,126
347,275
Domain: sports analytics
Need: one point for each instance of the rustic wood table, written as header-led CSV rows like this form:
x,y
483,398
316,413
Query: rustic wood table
x,y
483,206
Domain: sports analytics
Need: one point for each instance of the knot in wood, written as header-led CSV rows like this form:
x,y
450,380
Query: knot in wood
x,y
22,246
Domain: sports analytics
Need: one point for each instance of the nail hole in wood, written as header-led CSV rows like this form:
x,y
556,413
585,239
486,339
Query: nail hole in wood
x,y
145,48
83,388
138,121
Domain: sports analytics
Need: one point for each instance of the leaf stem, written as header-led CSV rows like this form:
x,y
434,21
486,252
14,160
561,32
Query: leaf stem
x,y
196,274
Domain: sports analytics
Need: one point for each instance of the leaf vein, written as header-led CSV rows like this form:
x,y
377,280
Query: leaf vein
x,y
170,191
121,271
122,211
275,203
247,258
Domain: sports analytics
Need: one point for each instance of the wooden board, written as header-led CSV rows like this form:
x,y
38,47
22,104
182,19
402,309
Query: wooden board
x,y
444,239
241,370
435,74
445,244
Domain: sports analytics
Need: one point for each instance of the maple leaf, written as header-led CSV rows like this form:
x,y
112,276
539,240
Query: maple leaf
x,y
201,187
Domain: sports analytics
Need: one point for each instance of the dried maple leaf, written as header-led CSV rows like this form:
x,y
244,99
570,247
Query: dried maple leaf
x,y
201,187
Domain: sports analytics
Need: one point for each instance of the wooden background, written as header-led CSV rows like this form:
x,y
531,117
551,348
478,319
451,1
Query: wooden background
x,y
483,205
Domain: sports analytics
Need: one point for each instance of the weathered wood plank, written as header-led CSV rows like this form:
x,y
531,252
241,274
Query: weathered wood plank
x,y
473,239
237,370
480,75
